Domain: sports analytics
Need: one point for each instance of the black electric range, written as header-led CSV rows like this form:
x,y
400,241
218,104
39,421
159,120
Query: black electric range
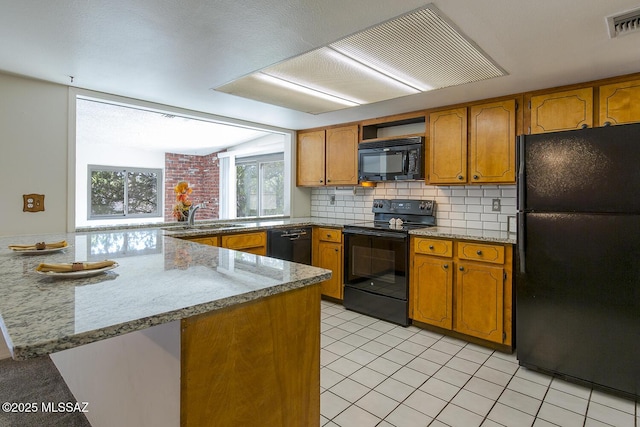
x,y
376,258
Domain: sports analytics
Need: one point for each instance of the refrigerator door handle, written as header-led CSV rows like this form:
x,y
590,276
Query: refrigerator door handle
x,y
521,243
520,182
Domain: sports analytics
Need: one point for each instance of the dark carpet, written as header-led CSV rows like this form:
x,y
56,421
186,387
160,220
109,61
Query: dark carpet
x,y
36,385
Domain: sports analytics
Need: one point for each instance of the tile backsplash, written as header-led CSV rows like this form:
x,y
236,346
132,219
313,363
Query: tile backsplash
x,y
467,206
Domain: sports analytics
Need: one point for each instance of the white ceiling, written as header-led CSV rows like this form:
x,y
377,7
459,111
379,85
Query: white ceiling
x,y
100,124
173,52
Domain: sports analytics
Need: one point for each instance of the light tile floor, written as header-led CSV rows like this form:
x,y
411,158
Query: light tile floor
x,y
374,373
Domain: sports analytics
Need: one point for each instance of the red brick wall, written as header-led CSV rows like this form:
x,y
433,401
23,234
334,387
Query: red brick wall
x,y
203,175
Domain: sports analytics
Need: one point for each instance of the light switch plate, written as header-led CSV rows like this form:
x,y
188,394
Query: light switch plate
x,y
32,202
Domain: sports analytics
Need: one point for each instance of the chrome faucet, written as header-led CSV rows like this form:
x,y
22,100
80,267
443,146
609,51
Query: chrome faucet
x,y
192,213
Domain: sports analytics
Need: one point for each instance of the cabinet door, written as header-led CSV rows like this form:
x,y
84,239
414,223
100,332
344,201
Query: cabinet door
x,y
620,103
255,243
209,240
330,257
447,162
310,158
562,110
479,301
342,156
432,290
492,148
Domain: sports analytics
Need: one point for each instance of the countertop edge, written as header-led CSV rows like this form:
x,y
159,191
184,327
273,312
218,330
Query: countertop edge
x,y
31,351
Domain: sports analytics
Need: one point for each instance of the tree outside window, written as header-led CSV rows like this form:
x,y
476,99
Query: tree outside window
x,y
123,192
260,185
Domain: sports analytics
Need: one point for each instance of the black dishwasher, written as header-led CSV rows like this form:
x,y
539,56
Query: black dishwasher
x,y
290,244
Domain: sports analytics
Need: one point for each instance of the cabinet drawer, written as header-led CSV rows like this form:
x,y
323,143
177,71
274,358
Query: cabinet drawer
x,y
480,252
208,240
244,241
330,235
433,247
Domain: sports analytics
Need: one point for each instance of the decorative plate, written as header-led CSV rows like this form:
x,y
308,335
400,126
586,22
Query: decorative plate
x,y
77,274
38,251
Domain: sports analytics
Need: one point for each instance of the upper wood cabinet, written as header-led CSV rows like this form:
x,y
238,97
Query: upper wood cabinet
x,y
447,146
311,158
328,157
620,103
473,145
558,111
492,142
342,156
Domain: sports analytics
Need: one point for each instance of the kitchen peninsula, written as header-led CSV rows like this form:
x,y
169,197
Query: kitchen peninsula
x,y
178,334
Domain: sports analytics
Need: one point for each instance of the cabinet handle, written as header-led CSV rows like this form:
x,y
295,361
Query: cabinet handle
x,y
461,268
479,252
475,176
460,177
328,235
320,180
445,266
431,247
328,180
336,249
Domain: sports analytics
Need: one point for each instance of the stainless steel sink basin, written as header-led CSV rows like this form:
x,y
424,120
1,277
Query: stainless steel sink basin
x,y
200,227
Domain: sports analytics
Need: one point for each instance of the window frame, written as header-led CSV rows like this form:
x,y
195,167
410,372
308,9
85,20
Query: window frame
x,y
159,213
258,160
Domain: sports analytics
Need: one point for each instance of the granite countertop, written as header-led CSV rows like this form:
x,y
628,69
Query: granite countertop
x,y
239,227
495,236
159,279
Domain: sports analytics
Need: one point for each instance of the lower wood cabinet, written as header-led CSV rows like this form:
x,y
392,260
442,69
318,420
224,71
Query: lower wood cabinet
x,y
327,253
253,242
463,286
433,290
206,240
479,301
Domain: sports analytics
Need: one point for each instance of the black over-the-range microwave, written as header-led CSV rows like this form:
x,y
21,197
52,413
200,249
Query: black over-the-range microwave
x,y
389,160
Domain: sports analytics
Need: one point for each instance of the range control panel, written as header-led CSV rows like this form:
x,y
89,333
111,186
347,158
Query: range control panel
x,y
403,206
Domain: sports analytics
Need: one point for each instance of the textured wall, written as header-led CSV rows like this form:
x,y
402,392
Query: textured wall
x,y
203,175
456,206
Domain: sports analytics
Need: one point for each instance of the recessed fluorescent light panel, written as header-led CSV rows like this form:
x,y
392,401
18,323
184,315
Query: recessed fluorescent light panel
x,y
414,53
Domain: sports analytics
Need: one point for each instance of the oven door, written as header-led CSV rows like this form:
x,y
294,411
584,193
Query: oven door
x,y
377,262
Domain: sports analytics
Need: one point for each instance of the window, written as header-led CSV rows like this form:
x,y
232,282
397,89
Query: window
x,y
260,185
124,192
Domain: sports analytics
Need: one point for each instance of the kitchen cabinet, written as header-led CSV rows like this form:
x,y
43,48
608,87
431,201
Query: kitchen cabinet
x,y
492,142
464,287
254,243
327,253
311,158
480,301
328,157
206,240
620,103
563,110
432,282
447,146
474,145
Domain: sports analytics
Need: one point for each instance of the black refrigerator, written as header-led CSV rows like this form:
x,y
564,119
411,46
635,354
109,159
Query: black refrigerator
x,y
578,257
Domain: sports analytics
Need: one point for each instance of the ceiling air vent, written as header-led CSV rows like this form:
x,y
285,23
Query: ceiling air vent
x,y
624,23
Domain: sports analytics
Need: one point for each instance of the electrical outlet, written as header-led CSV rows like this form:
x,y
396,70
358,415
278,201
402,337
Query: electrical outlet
x,y
332,199
32,202
495,205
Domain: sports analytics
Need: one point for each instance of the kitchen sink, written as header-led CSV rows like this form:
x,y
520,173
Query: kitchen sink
x,y
200,227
